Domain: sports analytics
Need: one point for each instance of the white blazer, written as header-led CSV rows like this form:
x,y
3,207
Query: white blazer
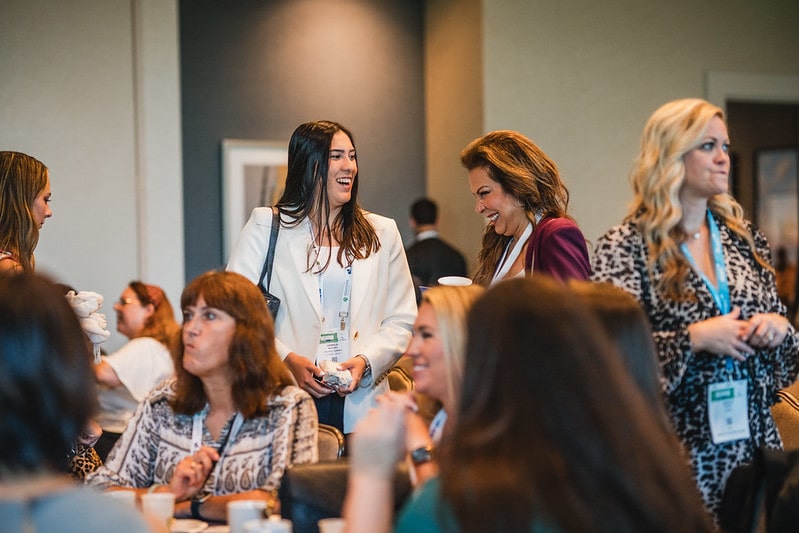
x,y
382,307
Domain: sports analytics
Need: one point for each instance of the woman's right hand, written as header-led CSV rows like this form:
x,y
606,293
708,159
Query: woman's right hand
x,y
378,441
722,335
304,371
417,434
191,473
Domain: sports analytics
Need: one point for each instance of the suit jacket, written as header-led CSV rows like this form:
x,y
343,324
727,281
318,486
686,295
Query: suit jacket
x,y
382,306
433,258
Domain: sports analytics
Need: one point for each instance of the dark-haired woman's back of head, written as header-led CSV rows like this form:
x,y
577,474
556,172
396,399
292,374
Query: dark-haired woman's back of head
x,y
551,429
47,391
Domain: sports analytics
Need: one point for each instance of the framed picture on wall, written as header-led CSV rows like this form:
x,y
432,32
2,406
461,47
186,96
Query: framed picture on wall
x,y
778,198
253,175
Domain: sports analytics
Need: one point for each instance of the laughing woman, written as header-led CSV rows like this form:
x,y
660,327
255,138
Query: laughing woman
x,y
519,191
339,271
230,423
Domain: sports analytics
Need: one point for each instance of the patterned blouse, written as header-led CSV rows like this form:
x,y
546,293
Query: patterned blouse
x,y
256,457
621,257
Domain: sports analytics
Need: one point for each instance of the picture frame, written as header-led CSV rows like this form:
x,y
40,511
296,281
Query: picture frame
x,y
253,175
777,198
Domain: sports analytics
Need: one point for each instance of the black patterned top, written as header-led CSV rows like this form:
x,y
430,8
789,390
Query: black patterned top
x,y
621,257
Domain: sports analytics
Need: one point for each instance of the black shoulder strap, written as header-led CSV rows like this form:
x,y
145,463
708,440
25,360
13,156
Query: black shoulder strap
x,y
266,271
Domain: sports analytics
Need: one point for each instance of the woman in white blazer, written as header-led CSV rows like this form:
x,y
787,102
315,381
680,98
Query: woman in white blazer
x,y
340,273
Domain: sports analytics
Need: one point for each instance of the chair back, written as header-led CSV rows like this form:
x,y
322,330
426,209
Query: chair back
x,y
399,376
786,416
330,442
310,492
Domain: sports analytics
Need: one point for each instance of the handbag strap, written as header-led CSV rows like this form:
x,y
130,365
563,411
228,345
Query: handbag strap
x,y
266,271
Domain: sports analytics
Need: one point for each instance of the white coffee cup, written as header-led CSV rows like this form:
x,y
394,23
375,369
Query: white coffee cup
x,y
241,511
331,525
273,524
127,497
159,505
455,281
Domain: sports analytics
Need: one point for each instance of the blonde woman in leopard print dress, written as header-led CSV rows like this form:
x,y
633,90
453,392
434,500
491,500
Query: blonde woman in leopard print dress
x,y
703,275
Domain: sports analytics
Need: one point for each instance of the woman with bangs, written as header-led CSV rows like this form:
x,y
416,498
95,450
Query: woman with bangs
x,y
703,275
231,421
24,206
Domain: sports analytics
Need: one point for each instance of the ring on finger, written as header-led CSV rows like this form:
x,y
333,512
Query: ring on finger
x,y
771,336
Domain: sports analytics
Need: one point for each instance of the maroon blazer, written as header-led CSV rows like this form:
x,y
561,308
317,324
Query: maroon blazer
x,y
558,248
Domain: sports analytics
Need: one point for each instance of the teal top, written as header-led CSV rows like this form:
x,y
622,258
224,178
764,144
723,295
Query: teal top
x,y
424,513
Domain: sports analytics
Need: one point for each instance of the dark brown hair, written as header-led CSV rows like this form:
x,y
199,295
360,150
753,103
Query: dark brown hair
x,y
306,193
551,429
47,389
258,373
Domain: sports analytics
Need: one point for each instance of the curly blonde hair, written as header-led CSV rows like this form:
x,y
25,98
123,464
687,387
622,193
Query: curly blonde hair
x,y
657,176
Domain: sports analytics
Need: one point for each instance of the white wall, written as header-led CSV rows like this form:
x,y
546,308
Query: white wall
x,y
582,77
91,89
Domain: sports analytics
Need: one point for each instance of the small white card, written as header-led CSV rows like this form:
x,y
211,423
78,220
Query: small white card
x,y
728,411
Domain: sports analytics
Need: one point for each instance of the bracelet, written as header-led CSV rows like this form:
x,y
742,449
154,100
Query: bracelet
x,y
368,367
195,506
195,509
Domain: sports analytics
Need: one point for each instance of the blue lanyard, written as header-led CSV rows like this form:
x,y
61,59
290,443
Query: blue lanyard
x,y
720,294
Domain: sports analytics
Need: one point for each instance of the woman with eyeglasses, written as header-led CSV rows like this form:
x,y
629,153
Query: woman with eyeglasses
x,y
145,316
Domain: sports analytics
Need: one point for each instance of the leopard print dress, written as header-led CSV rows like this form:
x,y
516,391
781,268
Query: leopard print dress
x,y
621,257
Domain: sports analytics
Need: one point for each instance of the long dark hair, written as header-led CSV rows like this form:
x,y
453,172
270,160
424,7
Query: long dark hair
x,y
47,389
627,325
258,373
551,430
306,193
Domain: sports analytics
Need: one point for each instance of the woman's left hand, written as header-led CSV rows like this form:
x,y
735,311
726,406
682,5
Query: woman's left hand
x,y
356,366
766,330
191,473
90,434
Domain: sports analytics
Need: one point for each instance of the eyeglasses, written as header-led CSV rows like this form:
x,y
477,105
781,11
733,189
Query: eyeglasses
x,y
125,301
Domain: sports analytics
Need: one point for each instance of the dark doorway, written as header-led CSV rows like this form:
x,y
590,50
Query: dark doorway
x,y
762,133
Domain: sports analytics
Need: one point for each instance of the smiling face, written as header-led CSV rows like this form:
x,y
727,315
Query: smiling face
x,y
132,315
342,169
41,205
707,167
427,351
207,334
502,210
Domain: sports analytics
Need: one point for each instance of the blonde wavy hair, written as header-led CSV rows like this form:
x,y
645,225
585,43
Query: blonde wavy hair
x,y
657,176
450,307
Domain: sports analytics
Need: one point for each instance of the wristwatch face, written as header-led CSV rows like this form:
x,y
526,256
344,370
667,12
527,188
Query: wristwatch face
x,y
422,455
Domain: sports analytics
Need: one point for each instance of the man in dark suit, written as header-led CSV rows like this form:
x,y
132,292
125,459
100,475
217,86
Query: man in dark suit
x,y
430,257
